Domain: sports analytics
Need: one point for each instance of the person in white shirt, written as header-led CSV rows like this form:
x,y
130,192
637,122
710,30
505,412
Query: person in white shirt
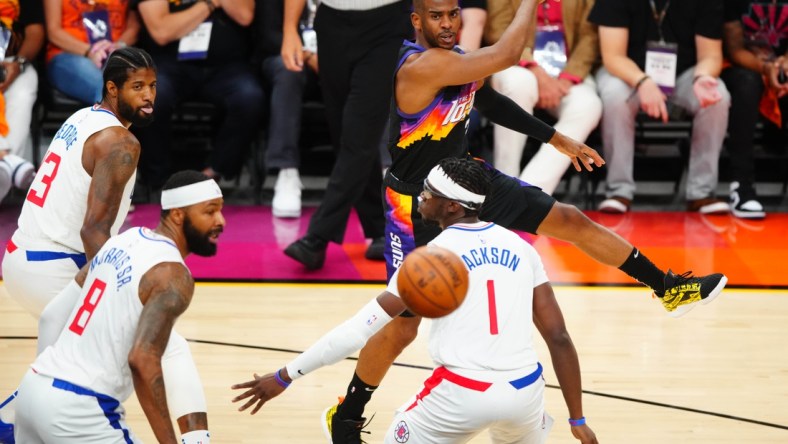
x,y
487,374
132,292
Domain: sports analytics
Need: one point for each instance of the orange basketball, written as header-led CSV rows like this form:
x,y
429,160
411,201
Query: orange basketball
x,y
432,281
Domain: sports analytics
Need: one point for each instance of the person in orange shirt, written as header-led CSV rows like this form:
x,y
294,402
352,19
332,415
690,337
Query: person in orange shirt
x,y
82,34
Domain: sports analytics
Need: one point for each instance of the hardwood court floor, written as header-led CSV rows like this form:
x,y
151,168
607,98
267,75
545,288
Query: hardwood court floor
x,y
717,375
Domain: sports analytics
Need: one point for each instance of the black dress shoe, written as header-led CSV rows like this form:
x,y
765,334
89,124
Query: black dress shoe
x,y
375,249
310,251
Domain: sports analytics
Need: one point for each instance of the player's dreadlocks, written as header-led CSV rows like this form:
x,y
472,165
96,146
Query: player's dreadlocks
x,y
467,173
120,62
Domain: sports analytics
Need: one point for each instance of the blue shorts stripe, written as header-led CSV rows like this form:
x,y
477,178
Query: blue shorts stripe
x,y
108,404
525,381
41,256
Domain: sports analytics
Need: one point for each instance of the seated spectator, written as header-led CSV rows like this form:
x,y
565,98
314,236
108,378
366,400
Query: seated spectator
x,y
22,38
756,53
655,53
553,75
202,50
81,36
287,92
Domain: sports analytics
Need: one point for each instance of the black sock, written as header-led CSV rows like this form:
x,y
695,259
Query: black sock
x,y
643,270
357,397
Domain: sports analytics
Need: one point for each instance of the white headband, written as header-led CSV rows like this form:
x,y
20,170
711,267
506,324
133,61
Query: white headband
x,y
190,194
442,183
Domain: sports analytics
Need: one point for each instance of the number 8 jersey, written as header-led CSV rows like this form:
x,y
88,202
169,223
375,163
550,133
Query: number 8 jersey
x,y
93,349
56,203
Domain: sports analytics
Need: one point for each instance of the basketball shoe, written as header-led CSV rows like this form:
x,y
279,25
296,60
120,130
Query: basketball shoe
x,y
310,250
342,431
684,291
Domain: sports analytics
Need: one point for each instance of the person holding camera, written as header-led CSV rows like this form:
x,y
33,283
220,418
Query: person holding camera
x,y
21,39
657,54
757,53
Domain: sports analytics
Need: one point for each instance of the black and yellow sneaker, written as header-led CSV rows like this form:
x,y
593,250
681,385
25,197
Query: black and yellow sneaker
x,y
342,431
684,291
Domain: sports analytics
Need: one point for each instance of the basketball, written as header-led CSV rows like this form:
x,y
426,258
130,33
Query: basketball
x,y
432,281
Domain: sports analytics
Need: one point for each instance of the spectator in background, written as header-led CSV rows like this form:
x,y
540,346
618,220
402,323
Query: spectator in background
x,y
554,74
756,50
656,53
359,41
474,18
286,89
202,49
81,36
22,26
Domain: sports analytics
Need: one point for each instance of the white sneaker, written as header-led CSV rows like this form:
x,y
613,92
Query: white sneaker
x,y
22,171
745,204
615,205
287,194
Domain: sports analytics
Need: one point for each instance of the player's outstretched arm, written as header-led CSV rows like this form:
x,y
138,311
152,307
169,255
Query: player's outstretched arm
x,y
166,291
334,346
505,112
111,159
438,67
550,323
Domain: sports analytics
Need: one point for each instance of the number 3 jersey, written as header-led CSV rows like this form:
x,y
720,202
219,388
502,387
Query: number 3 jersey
x,y
493,328
418,141
56,203
93,349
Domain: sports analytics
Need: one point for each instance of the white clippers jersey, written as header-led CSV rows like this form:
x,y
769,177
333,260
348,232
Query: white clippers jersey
x,y
56,203
493,328
93,349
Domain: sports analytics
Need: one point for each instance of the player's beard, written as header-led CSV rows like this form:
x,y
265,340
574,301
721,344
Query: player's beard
x,y
199,243
135,116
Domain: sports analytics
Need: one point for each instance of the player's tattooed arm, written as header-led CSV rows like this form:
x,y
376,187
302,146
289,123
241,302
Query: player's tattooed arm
x,y
110,158
166,291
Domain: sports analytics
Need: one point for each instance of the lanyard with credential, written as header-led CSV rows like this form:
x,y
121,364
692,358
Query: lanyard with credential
x,y
659,17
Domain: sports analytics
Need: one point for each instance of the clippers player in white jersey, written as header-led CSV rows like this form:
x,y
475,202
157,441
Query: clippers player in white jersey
x,y
132,292
487,373
79,198
82,192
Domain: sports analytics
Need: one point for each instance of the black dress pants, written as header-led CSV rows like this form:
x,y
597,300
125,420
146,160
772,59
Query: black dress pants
x,y
358,54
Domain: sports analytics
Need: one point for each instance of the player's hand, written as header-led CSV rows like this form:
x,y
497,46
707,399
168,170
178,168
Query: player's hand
x,y
705,89
584,434
652,100
261,390
292,51
578,152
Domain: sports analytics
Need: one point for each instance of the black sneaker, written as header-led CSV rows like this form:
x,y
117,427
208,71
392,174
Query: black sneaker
x,y
683,291
744,202
310,251
344,431
375,249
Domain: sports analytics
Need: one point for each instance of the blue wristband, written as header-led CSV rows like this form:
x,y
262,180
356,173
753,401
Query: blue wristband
x,y
281,381
577,422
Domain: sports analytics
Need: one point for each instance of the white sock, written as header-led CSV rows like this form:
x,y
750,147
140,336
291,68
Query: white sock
x,y
196,437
